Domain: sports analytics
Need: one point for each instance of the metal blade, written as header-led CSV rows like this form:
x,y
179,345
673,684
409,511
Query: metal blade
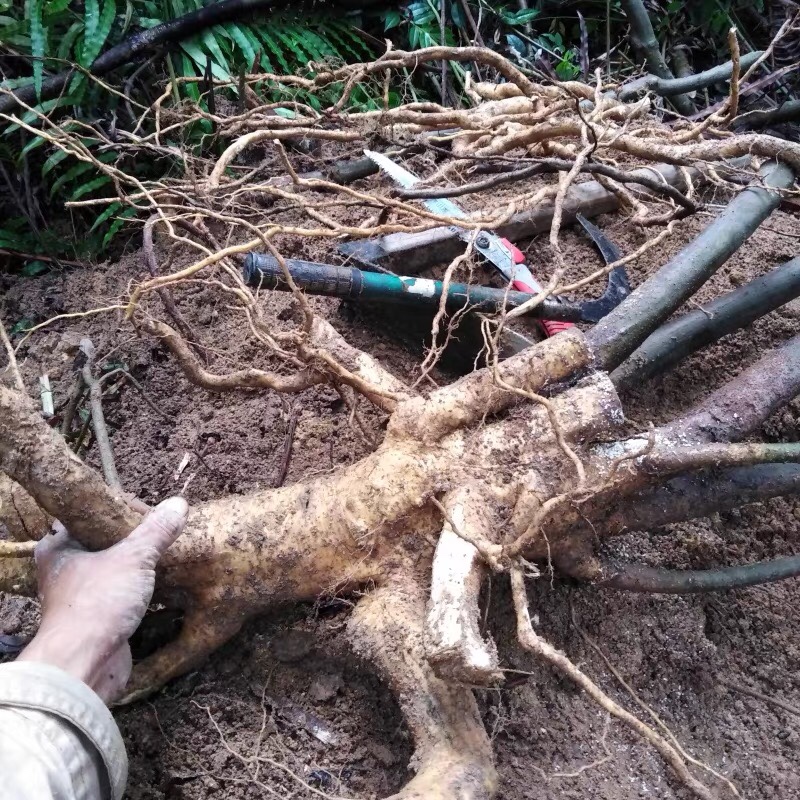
x,y
487,244
607,248
402,177
398,174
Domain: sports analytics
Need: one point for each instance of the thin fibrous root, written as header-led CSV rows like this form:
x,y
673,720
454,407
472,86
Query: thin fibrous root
x,y
531,641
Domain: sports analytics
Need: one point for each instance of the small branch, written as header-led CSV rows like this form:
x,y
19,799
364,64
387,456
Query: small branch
x,y
164,293
531,641
669,87
12,367
765,698
649,305
699,495
786,112
678,339
647,48
16,549
75,397
547,165
288,441
98,419
684,459
46,396
139,388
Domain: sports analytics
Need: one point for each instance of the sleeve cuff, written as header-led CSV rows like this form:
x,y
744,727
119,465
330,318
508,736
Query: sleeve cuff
x,y
42,687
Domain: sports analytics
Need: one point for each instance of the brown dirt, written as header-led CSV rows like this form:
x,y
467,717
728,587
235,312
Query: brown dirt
x,y
291,679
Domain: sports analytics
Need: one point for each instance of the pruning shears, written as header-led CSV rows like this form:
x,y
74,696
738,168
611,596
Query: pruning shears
x,y
508,259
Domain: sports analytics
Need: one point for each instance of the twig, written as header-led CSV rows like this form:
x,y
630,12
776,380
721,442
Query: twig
x,y
10,549
139,388
738,687
646,708
546,165
38,257
12,367
653,580
46,396
98,419
288,441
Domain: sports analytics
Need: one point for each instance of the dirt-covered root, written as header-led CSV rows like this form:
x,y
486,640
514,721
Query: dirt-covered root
x,y
454,646
203,631
453,755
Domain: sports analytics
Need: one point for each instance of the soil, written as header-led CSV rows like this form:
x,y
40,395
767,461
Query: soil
x,y
325,724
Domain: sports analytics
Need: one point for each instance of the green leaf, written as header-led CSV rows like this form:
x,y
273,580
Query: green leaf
x,y
16,83
75,171
95,38
391,19
68,41
274,48
101,218
200,58
38,34
293,42
258,47
421,12
242,42
518,17
91,21
117,224
55,7
89,187
349,39
22,325
212,45
567,69
192,89
79,169
30,117
53,161
33,268
13,241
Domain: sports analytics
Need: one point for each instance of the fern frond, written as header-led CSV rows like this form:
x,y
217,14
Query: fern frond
x,y
89,187
91,21
93,41
38,33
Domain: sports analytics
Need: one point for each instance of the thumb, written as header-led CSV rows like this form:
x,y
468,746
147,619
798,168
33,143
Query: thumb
x,y
161,527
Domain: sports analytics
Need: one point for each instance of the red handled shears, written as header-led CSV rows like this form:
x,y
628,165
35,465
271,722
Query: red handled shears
x,y
508,259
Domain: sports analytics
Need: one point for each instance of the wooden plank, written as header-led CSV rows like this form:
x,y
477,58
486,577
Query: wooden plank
x,y
411,252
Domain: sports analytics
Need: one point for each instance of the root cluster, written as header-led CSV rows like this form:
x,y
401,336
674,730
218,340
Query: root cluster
x,y
521,462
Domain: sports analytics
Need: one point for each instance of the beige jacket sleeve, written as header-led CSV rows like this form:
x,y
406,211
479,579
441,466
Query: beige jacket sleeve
x,y
58,741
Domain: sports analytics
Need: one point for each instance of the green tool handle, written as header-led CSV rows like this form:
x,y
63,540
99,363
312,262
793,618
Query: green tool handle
x,y
264,271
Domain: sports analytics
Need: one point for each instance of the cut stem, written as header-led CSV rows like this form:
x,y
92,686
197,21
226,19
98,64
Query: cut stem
x,y
678,339
645,309
641,578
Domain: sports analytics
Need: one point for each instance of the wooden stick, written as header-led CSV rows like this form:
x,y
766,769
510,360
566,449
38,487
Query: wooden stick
x,y
12,359
98,419
409,253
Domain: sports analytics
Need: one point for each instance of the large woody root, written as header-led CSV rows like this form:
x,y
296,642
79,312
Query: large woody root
x,y
495,472
242,555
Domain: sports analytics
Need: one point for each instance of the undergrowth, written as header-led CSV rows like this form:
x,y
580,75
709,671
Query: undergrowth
x,y
43,37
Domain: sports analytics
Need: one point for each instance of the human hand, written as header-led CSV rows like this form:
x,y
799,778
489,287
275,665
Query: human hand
x,y
93,602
